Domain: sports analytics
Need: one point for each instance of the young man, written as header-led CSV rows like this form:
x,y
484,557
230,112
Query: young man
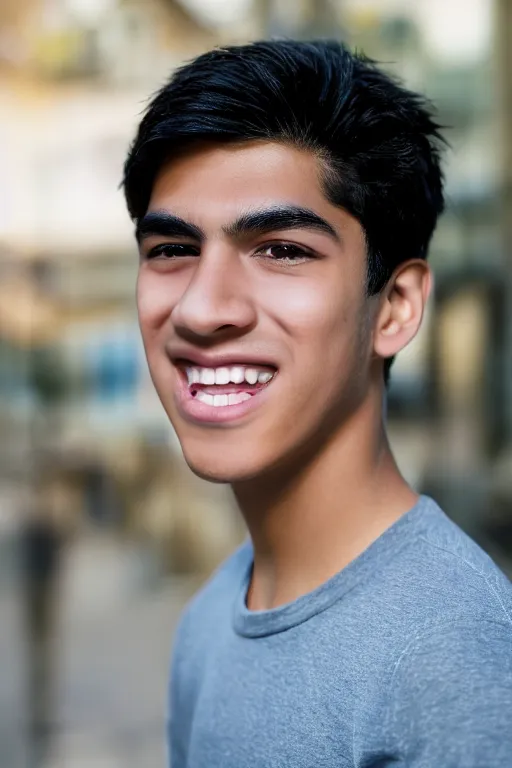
x,y
284,196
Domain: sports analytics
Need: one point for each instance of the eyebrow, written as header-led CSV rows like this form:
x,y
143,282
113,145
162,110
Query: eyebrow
x,y
260,221
279,217
167,225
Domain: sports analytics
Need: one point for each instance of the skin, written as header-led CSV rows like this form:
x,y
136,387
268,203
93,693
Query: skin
x,y
311,467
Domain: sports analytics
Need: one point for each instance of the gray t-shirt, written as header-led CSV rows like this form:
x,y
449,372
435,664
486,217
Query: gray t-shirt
x,y
403,658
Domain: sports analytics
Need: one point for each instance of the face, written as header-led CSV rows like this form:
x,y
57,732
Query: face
x,y
252,306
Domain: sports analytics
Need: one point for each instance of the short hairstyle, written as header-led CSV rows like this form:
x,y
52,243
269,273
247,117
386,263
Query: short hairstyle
x,y
378,142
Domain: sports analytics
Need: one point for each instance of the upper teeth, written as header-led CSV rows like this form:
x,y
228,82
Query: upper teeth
x,y
237,374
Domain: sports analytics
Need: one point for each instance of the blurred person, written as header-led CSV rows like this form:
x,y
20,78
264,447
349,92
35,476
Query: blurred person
x,y
285,194
42,537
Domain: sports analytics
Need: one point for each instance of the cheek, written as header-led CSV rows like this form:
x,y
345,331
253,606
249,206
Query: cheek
x,y
323,321
317,315
155,301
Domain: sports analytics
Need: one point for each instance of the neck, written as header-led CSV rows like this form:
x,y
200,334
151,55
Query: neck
x,y
309,520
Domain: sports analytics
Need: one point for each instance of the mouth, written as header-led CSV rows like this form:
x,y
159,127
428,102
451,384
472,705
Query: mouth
x,y
224,393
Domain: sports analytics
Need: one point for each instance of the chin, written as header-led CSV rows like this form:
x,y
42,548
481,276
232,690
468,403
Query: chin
x,y
223,466
225,472
220,475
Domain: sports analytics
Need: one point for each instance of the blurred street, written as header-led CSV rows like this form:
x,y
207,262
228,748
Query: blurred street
x,y
112,645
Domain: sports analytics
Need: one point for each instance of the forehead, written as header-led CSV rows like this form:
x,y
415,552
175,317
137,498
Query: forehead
x,y
249,168
217,182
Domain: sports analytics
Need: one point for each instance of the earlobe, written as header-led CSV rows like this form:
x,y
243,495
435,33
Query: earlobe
x,y
402,308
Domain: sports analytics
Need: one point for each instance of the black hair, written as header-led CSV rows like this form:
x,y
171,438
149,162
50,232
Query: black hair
x,y
378,141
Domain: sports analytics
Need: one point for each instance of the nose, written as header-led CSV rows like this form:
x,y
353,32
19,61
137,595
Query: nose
x,y
216,302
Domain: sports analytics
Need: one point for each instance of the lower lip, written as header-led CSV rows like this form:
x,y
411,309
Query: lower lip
x,y
194,410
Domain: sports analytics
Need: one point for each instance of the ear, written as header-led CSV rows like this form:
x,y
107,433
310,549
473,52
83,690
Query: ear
x,y
402,307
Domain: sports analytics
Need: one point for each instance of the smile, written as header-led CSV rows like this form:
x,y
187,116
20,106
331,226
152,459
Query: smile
x,y
222,387
223,393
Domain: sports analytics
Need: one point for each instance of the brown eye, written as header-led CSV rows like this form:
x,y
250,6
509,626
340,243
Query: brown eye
x,y
285,252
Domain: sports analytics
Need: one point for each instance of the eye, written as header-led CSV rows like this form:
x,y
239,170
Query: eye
x,y
285,253
172,251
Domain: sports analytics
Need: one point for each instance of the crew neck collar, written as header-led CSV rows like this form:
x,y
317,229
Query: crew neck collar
x,y
269,622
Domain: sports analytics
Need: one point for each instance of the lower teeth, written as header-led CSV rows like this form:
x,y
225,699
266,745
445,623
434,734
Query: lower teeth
x,y
220,401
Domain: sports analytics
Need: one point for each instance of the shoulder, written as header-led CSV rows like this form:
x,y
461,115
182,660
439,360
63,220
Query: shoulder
x,y
458,651
449,698
445,576
209,606
432,591
465,597
199,630
202,624
447,689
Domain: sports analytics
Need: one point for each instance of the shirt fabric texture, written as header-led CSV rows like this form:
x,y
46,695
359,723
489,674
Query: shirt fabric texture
x,y
403,658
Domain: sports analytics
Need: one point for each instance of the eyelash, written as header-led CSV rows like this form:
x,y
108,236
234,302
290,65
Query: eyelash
x,y
166,249
296,253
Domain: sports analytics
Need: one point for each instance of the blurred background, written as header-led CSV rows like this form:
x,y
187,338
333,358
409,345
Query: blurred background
x,y
104,533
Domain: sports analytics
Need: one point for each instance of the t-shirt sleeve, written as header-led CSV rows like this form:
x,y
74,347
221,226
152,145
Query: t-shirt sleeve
x,y
450,699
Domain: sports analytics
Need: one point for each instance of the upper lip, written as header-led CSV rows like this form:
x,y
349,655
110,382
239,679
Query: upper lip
x,y
225,360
